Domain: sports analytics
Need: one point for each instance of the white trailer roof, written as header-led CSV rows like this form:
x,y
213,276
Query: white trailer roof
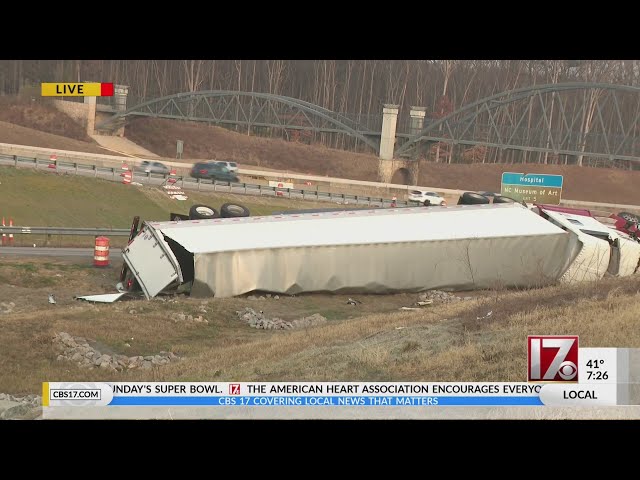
x,y
357,228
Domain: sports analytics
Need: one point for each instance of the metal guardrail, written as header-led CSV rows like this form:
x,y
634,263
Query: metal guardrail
x,y
122,232
9,150
187,182
198,184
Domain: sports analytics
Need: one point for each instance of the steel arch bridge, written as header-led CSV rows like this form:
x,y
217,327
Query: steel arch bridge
x,y
576,119
250,109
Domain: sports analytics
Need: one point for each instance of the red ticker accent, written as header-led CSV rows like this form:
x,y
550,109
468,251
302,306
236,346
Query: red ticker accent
x,y
106,89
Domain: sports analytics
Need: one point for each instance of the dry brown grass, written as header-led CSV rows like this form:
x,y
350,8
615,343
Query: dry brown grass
x,y
374,341
41,115
203,141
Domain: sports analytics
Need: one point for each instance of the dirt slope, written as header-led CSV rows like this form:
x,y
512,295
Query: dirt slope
x,y
16,134
42,116
203,141
579,183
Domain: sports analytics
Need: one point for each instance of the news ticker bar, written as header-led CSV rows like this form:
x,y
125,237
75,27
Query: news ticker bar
x,y
77,90
59,394
607,377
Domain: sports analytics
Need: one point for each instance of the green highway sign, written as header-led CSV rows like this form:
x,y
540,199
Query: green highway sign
x,y
532,187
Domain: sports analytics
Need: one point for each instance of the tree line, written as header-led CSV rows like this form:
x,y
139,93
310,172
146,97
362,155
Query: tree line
x,y
353,86
358,87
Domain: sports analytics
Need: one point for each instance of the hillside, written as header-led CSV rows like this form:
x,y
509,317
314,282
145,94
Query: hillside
x,y
17,134
38,125
41,115
605,185
203,141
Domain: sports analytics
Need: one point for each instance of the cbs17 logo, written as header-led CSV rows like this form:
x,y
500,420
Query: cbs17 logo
x,y
552,358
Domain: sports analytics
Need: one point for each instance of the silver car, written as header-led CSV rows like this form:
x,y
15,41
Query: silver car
x,y
153,167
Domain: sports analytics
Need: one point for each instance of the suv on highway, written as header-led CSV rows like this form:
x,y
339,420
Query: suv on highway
x,y
231,166
426,198
213,171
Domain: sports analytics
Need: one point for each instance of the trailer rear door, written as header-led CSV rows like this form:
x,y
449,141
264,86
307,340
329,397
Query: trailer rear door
x,y
150,260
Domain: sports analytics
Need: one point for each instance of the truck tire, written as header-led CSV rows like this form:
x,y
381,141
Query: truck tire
x,y
504,200
202,212
629,217
472,198
233,210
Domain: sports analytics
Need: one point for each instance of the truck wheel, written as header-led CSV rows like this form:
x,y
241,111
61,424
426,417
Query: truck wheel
x,y
472,198
200,212
629,217
504,200
233,210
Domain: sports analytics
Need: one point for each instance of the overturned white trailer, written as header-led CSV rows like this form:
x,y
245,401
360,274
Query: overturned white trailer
x,y
375,251
601,249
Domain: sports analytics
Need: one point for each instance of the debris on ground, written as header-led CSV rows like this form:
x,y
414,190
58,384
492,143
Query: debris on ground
x,y
7,307
52,298
181,317
259,320
441,297
78,350
268,295
485,316
424,303
102,298
352,301
418,305
14,407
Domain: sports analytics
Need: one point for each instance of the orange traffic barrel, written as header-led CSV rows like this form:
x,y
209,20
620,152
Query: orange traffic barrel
x,y
101,252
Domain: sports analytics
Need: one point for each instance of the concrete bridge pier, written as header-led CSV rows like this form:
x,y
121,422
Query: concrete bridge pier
x,y
117,105
417,115
388,135
401,172
390,170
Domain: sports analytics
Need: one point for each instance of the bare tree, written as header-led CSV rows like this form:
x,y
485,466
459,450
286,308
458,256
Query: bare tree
x,y
276,73
591,71
447,69
193,78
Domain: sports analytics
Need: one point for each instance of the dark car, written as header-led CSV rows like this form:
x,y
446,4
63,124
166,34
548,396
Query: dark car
x,y
498,198
213,171
490,194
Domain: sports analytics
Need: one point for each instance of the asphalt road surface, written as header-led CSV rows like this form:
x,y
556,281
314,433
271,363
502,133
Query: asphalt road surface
x,y
54,252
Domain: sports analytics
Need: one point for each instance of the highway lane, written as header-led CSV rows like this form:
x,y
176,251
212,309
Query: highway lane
x,y
54,252
190,184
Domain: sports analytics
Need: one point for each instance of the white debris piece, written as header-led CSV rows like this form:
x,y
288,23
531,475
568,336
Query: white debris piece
x,y
105,298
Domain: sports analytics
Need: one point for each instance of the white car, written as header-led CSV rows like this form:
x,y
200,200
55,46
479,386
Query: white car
x,y
231,166
426,198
